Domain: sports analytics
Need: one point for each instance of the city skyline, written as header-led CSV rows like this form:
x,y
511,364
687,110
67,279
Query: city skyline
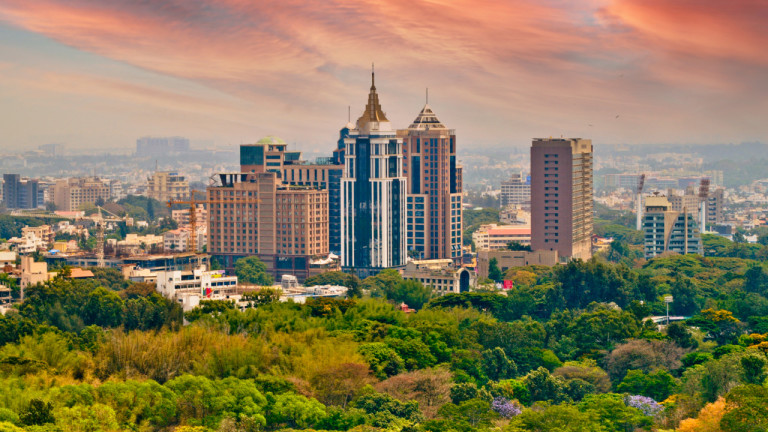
x,y
618,71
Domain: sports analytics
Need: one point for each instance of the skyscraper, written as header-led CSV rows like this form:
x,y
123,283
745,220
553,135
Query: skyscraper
x,y
373,192
561,196
434,188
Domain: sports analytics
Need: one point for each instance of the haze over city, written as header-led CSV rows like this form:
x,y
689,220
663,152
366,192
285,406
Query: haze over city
x,y
97,75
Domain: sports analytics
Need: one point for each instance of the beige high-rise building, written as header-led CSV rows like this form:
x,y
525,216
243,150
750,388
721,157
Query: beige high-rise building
x,y
688,202
434,188
256,214
561,196
166,185
70,194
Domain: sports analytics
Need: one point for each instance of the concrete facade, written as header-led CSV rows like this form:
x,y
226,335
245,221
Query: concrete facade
x,y
434,193
562,196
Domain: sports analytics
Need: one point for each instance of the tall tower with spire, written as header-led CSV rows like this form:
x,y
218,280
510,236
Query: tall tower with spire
x,y
434,188
373,191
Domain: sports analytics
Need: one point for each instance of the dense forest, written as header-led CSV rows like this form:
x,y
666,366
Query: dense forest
x,y
570,348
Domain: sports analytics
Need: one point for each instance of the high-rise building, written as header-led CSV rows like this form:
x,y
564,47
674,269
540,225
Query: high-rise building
x,y
166,185
373,194
561,196
270,154
715,203
516,190
20,193
256,214
159,146
434,192
668,230
688,202
70,194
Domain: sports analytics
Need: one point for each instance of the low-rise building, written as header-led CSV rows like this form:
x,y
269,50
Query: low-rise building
x,y
188,288
441,275
33,273
7,258
495,237
176,240
507,259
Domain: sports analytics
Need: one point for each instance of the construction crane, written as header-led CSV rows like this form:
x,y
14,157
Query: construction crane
x,y
192,239
703,198
640,184
100,222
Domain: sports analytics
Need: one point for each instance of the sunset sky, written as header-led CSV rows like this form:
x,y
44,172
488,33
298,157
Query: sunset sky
x,y
99,74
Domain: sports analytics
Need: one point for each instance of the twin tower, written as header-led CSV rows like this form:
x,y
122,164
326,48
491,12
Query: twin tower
x,y
400,191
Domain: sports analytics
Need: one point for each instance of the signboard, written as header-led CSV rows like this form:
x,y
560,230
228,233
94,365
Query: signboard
x,y
508,284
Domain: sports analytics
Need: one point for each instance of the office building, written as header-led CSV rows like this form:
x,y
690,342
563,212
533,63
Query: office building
x,y
70,194
434,193
373,194
561,196
256,214
161,146
496,237
515,191
166,185
668,230
270,154
20,193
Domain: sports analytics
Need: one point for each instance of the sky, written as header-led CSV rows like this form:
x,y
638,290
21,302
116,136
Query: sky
x,y
96,75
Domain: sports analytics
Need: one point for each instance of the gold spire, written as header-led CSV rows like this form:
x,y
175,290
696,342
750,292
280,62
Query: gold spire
x,y
373,111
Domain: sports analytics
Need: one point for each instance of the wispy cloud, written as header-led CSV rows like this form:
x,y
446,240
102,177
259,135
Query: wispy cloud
x,y
532,65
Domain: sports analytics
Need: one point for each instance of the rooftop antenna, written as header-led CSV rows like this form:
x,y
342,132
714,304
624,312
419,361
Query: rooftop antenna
x,y
427,95
349,113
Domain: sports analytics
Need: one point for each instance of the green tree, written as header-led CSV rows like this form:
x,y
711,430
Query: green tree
x,y
658,384
251,270
383,360
262,296
410,292
746,409
497,366
297,411
494,272
560,418
37,413
679,333
753,368
103,308
544,387
383,283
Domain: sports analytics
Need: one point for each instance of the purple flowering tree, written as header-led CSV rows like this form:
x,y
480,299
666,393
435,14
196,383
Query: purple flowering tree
x,y
645,404
505,407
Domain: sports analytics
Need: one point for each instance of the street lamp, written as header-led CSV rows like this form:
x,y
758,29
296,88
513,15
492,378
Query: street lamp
x,y
668,299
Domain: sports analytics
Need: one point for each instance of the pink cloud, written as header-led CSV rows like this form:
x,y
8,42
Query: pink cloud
x,y
525,62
